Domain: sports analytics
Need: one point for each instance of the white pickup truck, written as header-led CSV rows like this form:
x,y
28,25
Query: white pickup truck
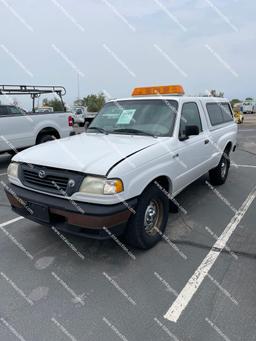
x,y
44,109
249,107
122,175
80,115
19,129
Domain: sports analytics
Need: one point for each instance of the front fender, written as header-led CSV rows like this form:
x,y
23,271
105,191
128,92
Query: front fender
x,y
142,168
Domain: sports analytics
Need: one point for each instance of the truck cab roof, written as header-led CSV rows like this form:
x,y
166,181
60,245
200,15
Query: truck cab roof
x,y
174,98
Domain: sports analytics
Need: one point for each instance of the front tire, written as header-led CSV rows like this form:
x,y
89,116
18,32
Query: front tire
x,y
219,174
146,227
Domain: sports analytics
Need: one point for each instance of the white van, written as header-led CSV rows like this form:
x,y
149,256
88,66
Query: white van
x,y
122,174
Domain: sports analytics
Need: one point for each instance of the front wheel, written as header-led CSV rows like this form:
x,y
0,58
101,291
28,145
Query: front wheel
x,y
219,174
146,227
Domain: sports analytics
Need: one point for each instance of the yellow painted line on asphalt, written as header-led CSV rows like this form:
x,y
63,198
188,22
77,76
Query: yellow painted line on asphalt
x,y
190,289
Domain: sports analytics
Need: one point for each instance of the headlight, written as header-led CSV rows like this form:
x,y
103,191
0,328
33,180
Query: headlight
x,y
12,170
98,185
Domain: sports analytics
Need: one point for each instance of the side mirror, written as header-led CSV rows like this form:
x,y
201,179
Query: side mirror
x,y
189,131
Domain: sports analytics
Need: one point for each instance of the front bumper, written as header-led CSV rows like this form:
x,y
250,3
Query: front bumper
x,y
83,219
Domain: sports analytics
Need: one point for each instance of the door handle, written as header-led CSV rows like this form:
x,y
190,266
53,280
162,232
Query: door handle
x,y
206,141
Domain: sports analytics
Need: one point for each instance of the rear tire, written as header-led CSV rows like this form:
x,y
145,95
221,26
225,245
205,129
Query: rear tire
x,y
219,174
146,227
45,138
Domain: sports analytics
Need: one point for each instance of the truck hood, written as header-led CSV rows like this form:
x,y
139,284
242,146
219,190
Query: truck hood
x,y
88,153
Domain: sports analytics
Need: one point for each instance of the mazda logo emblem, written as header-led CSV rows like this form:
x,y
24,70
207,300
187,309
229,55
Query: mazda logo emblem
x,y
41,174
71,183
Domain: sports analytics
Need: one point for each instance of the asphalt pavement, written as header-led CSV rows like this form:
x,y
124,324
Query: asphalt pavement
x,y
80,289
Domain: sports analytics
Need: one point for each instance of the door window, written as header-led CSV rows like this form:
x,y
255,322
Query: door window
x,y
190,116
15,111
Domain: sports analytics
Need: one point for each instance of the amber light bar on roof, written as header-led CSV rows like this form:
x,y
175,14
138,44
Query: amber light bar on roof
x,y
159,90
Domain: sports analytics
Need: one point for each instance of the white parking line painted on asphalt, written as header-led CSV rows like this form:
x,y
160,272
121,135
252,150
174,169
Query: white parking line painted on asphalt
x,y
187,293
3,174
10,221
245,166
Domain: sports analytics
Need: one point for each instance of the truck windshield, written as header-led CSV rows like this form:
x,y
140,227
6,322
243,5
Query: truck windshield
x,y
140,117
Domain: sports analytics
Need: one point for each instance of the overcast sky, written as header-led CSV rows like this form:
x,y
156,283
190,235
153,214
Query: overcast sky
x,y
115,45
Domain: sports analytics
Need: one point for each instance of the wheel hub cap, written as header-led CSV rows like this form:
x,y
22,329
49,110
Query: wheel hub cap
x,y
152,218
223,169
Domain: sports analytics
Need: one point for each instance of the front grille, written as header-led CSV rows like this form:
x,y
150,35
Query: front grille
x,y
49,181
46,179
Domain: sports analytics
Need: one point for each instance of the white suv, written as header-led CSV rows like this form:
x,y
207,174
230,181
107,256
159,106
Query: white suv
x,y
121,176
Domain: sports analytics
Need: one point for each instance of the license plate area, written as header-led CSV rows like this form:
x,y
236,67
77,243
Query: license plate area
x,y
40,212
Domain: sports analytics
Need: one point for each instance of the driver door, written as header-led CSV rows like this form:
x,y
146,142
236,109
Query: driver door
x,y
193,153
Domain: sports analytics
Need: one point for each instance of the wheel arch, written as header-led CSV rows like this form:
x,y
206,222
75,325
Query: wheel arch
x,y
228,148
163,182
47,131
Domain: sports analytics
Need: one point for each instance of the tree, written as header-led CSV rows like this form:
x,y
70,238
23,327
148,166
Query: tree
x,y
55,103
94,102
234,101
78,102
214,93
249,99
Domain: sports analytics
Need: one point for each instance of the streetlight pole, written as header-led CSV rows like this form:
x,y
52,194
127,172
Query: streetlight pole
x,y
78,87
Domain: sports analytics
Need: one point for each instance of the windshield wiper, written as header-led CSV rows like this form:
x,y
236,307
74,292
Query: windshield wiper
x,y
101,130
133,131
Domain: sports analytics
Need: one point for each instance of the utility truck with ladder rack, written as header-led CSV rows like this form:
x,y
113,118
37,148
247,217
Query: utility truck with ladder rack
x,y
20,129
